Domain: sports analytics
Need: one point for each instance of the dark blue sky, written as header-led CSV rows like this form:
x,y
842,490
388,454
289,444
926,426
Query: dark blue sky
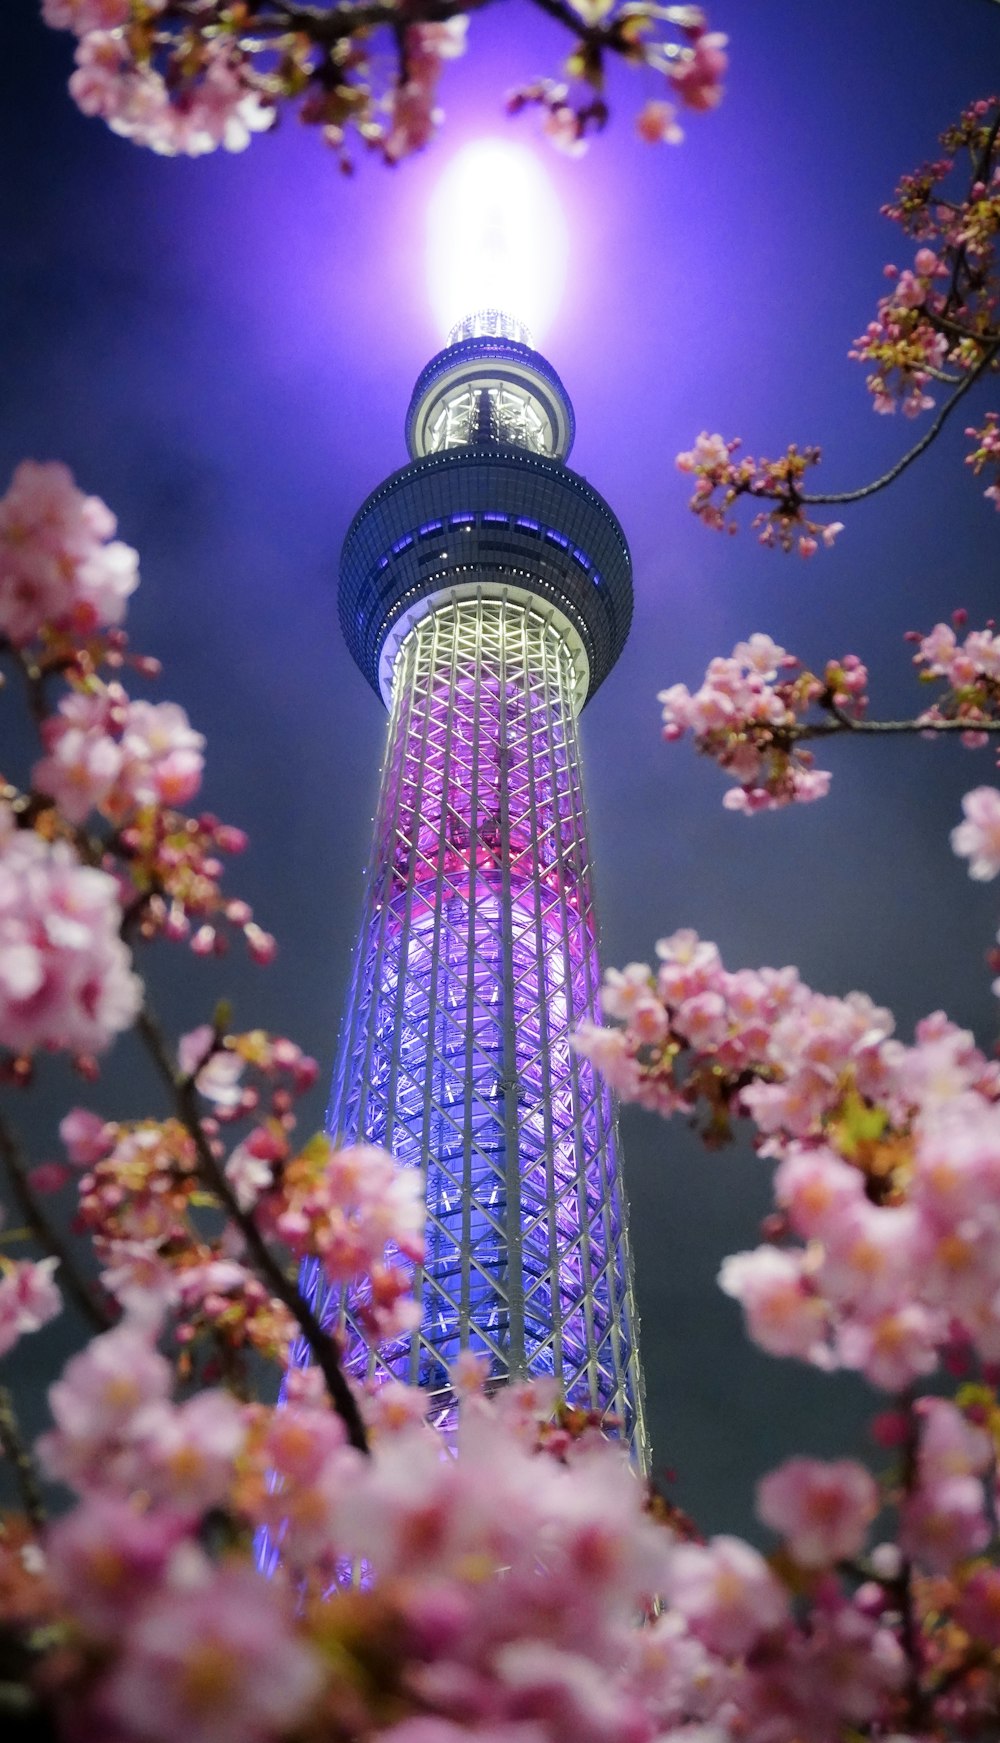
x,y
224,350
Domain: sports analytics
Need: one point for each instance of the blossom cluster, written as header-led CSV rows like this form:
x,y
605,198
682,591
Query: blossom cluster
x,y
143,1192
721,479
938,323
60,564
187,78
505,1576
185,81
693,62
754,709
884,1250
906,350
940,319
969,667
64,583
985,457
29,1298
747,716
66,980
107,753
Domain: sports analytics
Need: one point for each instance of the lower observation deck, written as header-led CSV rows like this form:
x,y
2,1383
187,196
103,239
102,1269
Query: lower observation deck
x,y
473,515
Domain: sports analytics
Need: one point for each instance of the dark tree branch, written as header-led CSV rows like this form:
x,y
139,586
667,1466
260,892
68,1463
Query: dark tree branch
x,y
844,723
46,1234
914,453
13,1444
323,1347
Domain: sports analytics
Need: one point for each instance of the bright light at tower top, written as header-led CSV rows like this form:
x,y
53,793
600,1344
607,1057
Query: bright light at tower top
x,y
497,238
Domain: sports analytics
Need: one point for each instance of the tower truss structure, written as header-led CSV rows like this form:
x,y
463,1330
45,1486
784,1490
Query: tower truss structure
x,y
485,593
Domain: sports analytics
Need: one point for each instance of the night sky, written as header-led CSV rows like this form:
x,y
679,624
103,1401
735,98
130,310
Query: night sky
x,y
224,350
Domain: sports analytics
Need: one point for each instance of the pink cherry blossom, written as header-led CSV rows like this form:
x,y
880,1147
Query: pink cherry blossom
x,y
727,1593
96,1400
978,1608
816,1186
108,753
188,1451
977,839
784,1314
84,762
945,1522
56,562
29,1298
697,73
822,1510
656,123
892,1348
65,979
107,1557
221,1068
609,1051
83,15
217,1663
871,1253
950,1445
250,1175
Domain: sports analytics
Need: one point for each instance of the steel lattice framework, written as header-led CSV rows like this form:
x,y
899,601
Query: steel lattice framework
x,y
477,959
486,590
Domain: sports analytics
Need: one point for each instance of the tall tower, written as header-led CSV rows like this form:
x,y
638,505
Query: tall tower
x,y
485,593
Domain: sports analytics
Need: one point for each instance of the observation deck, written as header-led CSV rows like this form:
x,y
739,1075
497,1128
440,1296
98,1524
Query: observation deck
x,y
488,505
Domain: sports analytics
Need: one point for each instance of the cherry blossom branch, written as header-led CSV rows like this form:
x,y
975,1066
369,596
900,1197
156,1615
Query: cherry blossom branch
x,y
45,1232
920,334
323,1347
754,709
930,435
14,1447
188,76
844,723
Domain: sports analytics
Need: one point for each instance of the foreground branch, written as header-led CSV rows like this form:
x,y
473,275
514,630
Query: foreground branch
x,y
46,1234
930,435
844,723
323,1347
13,1444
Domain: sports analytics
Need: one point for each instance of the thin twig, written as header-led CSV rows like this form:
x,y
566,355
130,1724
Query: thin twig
x,y
46,1233
13,1443
844,723
914,453
323,1347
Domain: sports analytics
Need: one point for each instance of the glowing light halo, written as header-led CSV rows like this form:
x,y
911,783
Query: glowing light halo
x,y
497,237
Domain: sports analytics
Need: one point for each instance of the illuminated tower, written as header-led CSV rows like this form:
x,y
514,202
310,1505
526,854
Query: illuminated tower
x,y
485,593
